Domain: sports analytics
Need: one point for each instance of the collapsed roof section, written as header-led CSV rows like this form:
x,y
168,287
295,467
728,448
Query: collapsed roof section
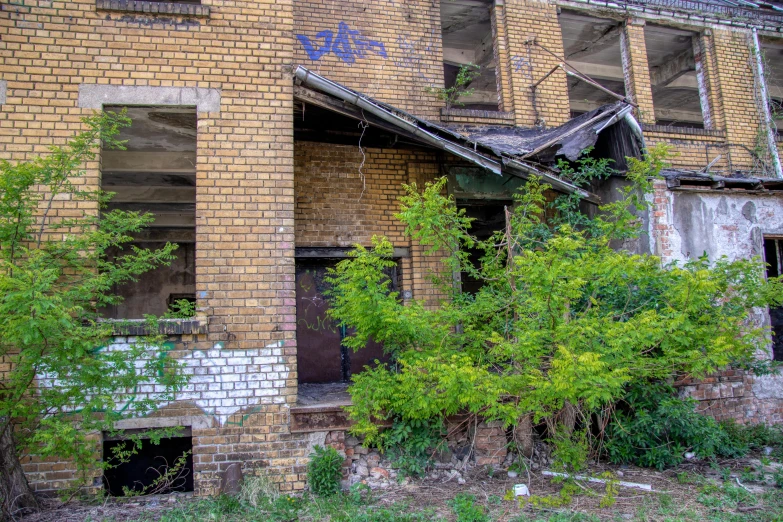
x,y
519,152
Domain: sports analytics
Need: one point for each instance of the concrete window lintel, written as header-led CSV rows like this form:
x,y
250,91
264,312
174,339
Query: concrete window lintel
x,y
93,96
3,91
196,422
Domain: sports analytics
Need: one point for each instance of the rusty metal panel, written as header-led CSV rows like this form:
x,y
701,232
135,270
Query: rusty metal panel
x,y
321,357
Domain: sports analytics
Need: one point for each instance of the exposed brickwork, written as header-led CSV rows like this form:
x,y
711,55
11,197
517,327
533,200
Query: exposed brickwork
x,y
637,70
258,196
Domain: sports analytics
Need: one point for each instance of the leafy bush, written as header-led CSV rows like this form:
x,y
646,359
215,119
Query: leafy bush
x,y
464,506
562,321
324,471
410,445
655,428
756,436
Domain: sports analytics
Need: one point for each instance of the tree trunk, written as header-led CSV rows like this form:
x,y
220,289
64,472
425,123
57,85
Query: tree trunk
x,y
523,435
567,417
16,497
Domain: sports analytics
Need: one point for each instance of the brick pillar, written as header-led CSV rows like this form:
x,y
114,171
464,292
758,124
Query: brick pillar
x,y
637,71
502,57
736,77
529,21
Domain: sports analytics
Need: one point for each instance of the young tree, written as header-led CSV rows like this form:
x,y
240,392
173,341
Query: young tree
x,y
58,383
563,321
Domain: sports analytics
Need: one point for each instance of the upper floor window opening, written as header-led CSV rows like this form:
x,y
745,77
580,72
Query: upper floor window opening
x,y
773,76
676,89
468,39
592,47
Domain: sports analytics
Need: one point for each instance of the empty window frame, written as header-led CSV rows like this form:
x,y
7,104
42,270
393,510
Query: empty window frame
x,y
592,46
156,173
773,255
773,75
676,90
468,39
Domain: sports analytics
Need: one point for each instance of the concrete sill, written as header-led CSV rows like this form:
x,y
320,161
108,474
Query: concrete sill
x,y
150,7
686,131
477,117
132,327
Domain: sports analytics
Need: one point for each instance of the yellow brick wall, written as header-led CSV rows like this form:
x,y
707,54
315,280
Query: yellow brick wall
x,y
388,50
245,198
527,21
637,69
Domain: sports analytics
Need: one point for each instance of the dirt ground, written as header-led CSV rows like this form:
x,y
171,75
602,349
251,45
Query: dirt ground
x,y
681,488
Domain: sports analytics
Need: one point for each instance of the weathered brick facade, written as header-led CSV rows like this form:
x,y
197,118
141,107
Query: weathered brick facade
x,y
259,195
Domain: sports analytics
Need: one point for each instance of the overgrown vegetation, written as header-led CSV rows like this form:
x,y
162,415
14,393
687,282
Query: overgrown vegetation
x,y
451,95
564,322
324,471
655,428
60,382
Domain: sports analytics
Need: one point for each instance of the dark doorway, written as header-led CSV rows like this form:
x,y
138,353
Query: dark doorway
x,y
321,356
489,217
773,255
142,473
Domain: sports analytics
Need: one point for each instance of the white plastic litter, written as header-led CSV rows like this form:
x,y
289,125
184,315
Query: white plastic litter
x,y
520,490
646,487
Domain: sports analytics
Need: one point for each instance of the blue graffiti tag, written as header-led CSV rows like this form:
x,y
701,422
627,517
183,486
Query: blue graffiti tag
x,y
347,46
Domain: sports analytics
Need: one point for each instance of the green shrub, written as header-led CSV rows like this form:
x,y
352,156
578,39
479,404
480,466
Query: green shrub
x,y
410,445
324,471
464,506
654,428
756,436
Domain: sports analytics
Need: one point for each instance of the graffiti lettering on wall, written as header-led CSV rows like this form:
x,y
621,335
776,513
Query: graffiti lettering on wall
x,y
348,45
414,51
522,65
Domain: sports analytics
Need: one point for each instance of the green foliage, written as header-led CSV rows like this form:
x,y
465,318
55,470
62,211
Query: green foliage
x,y
466,510
324,471
181,309
570,450
655,428
562,316
55,277
756,436
170,478
465,76
410,445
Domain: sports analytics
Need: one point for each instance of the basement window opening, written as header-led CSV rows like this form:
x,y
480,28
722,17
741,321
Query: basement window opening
x,y
155,469
321,355
157,174
592,47
773,256
673,56
468,39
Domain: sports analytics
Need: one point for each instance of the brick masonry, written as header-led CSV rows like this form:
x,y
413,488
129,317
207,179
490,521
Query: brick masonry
x,y
258,195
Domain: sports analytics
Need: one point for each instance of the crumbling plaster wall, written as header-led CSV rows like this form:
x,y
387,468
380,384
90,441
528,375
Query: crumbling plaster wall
x,y
687,224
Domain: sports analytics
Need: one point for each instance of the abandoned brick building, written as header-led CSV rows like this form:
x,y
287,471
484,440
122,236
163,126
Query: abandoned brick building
x,y
269,136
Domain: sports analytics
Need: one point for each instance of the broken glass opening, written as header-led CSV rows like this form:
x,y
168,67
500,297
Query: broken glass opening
x,y
157,174
468,39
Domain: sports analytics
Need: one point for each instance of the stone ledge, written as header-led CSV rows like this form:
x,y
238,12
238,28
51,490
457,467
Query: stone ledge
x,y
477,116
151,7
131,327
687,131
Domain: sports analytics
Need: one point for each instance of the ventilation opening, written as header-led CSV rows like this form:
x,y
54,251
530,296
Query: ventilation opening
x,y
156,469
672,57
468,39
773,255
156,173
592,47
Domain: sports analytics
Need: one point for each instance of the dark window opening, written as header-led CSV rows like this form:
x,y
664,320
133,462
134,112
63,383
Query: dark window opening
x,y
489,217
156,174
773,77
592,47
321,355
161,468
773,255
672,55
468,39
